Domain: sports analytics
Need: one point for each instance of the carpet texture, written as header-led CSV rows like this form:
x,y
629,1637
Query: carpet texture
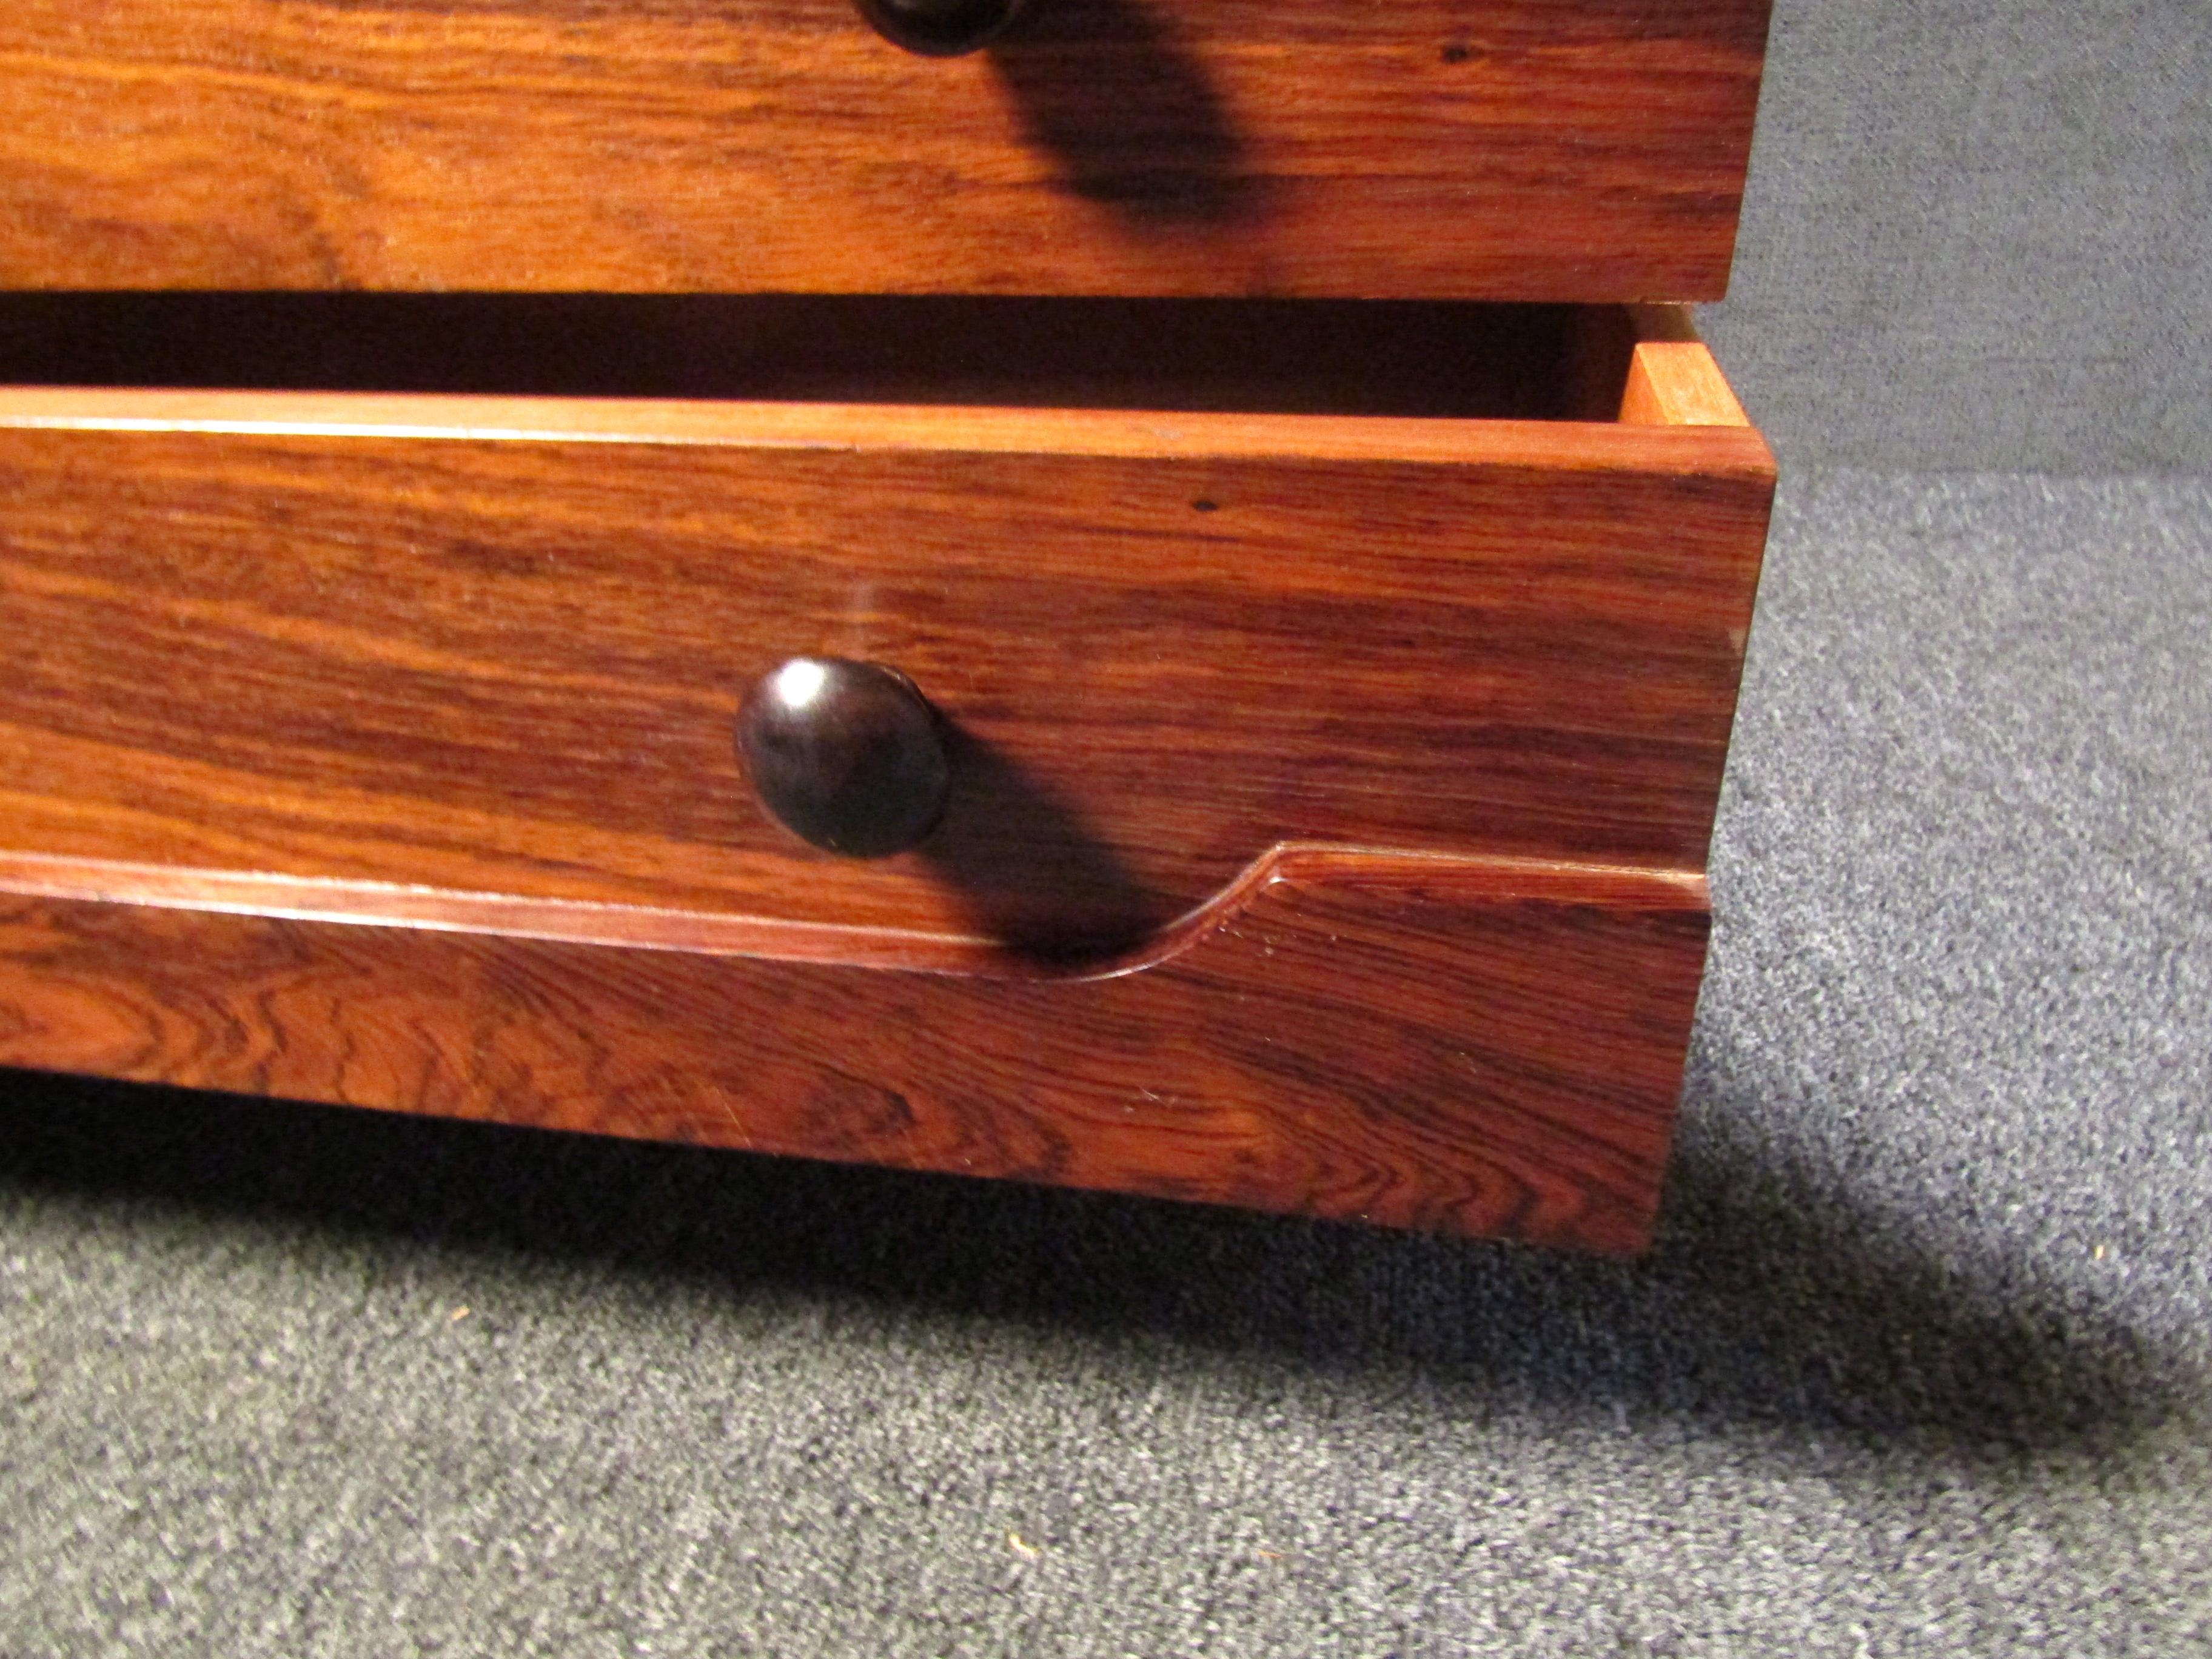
x,y
1975,236
1920,1365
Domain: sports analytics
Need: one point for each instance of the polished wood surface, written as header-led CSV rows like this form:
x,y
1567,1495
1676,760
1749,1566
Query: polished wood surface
x,y
497,645
1480,1047
1554,149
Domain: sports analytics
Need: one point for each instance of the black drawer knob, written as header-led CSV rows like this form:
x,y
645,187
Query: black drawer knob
x,y
940,28
848,756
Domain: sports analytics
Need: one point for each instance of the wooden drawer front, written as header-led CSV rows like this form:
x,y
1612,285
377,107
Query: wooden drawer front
x,y
1562,149
497,646
1330,792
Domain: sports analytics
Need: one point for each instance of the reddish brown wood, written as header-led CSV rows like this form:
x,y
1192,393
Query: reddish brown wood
x,y
498,645
1477,1047
1564,150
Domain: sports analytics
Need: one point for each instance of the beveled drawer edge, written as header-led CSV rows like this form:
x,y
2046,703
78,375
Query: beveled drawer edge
x,y
1454,878
1368,1039
1561,445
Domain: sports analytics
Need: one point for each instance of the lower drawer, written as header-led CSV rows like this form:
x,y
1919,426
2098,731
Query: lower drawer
x,y
1334,725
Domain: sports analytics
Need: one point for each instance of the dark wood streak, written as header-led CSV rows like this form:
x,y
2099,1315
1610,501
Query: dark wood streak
x,y
1553,149
1474,1048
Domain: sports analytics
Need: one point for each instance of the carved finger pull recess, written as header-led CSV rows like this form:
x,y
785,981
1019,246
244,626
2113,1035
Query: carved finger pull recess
x,y
847,756
940,28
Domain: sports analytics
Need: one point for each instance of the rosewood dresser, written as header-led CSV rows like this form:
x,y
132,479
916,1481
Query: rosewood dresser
x,y
1145,594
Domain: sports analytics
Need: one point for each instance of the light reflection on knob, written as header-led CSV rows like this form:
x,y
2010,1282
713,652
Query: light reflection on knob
x,y
847,756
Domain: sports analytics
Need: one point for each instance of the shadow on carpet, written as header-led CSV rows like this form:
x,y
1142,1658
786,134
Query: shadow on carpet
x,y
1767,1298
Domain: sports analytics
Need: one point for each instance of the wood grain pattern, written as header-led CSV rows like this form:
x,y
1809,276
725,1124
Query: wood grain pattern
x,y
497,645
1560,150
1481,1047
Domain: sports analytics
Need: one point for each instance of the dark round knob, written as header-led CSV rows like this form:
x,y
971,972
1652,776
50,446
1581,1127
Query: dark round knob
x,y
846,755
940,28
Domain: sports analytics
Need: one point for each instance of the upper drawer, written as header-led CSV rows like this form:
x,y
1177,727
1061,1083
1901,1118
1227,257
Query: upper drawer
x,y
1557,149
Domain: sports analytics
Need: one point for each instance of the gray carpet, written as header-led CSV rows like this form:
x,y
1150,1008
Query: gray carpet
x,y
1980,235
1922,1365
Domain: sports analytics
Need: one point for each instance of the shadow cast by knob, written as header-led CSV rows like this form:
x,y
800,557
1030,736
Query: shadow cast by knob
x,y
1129,115
1032,876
